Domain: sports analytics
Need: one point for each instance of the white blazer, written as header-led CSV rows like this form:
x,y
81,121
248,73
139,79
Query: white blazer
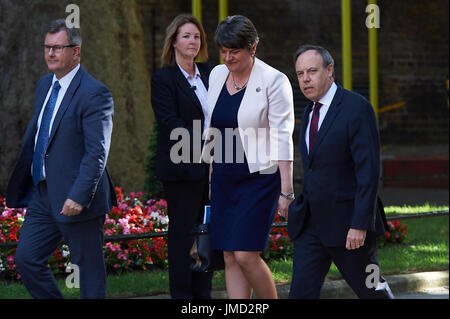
x,y
265,117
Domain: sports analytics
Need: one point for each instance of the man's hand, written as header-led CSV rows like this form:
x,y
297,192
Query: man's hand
x,y
355,238
71,208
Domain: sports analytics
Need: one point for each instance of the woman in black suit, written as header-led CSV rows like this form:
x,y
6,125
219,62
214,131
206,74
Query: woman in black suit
x,y
178,96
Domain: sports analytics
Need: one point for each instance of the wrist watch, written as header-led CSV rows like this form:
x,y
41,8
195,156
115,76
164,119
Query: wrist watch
x,y
290,196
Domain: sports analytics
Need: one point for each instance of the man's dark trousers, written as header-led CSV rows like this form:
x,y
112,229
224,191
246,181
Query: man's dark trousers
x,y
40,236
312,261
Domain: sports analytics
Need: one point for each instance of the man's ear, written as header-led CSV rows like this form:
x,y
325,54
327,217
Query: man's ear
x,y
77,51
330,69
253,49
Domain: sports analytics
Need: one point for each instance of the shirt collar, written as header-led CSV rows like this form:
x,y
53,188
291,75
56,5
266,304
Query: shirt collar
x,y
186,75
66,79
328,97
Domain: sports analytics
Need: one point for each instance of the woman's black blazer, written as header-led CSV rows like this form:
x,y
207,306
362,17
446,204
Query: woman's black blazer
x,y
176,105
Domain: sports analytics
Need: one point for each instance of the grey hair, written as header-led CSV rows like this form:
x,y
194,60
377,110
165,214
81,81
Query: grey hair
x,y
236,32
73,34
326,56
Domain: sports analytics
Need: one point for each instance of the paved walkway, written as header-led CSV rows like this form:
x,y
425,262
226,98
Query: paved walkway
x,y
430,293
412,286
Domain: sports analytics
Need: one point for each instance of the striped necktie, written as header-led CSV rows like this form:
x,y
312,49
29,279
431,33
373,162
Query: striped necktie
x,y
314,127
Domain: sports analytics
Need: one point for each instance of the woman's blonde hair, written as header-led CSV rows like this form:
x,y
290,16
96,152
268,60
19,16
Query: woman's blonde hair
x,y
168,54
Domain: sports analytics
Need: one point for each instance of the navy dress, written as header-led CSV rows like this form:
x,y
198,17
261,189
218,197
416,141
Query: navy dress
x,y
243,204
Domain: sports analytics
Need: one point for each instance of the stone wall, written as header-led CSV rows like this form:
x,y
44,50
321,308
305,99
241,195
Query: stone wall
x,y
112,51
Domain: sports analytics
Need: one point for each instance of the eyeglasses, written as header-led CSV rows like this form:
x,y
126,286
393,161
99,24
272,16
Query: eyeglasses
x,y
57,48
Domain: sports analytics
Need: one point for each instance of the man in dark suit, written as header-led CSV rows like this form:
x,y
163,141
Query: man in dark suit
x,y
60,175
337,217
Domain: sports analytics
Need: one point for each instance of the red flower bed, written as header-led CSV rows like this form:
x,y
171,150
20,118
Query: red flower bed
x,y
10,223
131,216
279,246
395,234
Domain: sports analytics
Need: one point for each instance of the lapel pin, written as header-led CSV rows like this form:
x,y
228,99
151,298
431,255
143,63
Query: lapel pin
x,y
258,89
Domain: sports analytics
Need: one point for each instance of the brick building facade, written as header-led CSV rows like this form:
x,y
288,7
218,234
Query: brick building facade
x,y
413,52
412,58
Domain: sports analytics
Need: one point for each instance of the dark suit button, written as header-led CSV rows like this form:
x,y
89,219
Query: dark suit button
x,y
310,170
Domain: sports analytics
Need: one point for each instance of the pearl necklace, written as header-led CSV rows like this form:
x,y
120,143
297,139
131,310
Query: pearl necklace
x,y
235,85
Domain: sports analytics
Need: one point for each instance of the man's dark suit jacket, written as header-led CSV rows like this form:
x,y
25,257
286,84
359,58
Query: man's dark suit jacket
x,y
75,161
178,111
341,173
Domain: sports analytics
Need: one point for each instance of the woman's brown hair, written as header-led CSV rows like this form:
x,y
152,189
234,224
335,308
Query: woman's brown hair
x,y
168,54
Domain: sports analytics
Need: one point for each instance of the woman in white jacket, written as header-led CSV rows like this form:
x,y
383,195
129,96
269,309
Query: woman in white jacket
x,y
248,127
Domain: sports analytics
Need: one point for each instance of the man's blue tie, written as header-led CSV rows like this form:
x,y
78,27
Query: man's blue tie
x,y
44,132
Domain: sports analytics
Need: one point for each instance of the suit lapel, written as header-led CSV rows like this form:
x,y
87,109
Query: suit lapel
x,y
186,87
305,122
38,105
328,120
214,92
254,82
40,99
203,76
66,102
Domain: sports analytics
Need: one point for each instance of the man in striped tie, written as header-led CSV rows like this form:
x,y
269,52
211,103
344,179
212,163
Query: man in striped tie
x,y
337,217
